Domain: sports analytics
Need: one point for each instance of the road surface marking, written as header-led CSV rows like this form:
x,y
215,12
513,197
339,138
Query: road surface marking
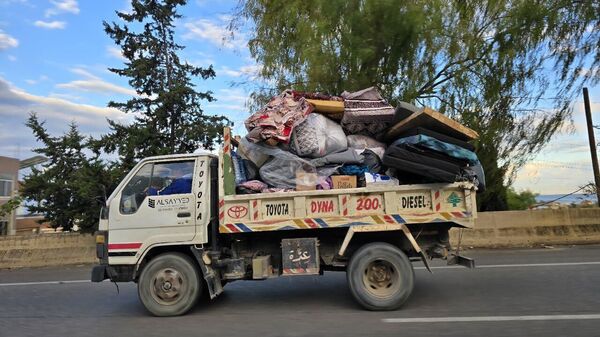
x,y
43,282
490,318
557,264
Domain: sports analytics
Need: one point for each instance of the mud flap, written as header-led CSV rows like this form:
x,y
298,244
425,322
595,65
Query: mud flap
x,y
425,260
300,256
461,261
213,281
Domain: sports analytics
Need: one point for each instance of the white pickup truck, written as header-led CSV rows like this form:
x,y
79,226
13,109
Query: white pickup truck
x,y
196,235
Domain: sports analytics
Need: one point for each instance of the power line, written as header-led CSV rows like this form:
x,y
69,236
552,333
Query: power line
x,y
561,197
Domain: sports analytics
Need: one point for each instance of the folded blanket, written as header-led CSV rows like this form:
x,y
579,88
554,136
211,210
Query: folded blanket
x,y
366,113
276,121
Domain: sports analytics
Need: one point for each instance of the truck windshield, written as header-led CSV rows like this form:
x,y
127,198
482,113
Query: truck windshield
x,y
156,179
172,178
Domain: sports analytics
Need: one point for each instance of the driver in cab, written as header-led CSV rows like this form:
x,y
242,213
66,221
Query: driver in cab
x,y
178,180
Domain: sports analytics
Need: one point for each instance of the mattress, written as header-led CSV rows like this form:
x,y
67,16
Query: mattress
x,y
421,164
441,137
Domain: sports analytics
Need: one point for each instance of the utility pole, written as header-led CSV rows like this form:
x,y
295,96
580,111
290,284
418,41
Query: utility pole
x,y
593,151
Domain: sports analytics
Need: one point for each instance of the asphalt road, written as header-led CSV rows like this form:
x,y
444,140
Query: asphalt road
x,y
537,292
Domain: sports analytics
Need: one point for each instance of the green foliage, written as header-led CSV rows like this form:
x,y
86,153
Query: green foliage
x,y
520,200
9,206
169,118
484,63
68,190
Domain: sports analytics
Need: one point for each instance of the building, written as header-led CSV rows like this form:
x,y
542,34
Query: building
x,y
9,175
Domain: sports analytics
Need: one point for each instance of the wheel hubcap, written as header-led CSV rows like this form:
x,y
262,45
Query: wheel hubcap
x,y
167,286
381,278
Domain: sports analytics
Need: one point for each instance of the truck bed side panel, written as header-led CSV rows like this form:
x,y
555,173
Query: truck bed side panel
x,y
406,204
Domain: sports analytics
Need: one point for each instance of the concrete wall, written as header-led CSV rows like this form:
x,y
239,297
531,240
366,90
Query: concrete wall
x,y
46,250
531,228
493,229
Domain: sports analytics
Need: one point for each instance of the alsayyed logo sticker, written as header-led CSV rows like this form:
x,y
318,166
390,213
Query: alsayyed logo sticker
x,y
168,204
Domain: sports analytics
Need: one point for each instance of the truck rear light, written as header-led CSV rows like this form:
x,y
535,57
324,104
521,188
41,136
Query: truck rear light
x,y
100,239
101,246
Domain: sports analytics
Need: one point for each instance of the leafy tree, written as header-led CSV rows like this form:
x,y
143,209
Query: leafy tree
x,y
520,200
168,116
68,189
11,205
507,69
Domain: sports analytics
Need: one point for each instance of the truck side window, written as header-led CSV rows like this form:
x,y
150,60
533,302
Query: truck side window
x,y
135,191
172,178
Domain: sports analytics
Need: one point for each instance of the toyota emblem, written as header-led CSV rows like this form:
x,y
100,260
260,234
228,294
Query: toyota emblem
x,y
237,212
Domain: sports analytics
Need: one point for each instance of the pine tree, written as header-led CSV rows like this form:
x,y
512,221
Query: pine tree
x,y
168,115
68,190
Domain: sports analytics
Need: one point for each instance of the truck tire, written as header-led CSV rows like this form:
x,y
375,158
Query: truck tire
x,y
380,276
169,285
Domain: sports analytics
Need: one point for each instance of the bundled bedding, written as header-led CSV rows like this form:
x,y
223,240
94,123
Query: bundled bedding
x,y
303,140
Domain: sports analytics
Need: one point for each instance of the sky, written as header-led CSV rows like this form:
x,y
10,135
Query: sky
x,y
54,60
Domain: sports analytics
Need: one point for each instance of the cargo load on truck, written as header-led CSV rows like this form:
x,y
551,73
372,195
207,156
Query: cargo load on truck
x,y
311,141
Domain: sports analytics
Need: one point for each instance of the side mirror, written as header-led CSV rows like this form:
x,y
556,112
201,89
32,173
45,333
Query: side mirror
x,y
104,213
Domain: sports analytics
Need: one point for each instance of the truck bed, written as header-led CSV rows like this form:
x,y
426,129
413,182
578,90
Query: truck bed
x,y
404,204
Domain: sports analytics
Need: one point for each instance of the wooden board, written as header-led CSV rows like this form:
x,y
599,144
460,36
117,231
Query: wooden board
x,y
432,120
324,106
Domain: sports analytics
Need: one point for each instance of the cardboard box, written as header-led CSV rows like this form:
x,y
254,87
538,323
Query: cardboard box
x,y
340,182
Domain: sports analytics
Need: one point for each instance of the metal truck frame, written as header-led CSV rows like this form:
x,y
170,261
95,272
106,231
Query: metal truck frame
x,y
178,246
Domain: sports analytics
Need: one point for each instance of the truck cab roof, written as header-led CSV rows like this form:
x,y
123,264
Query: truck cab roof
x,y
200,153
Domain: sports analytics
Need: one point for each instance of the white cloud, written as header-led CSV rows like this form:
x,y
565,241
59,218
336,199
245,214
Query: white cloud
x,y
92,83
115,52
229,72
7,41
16,102
251,71
214,33
10,2
50,24
67,97
57,112
62,6
36,81
230,102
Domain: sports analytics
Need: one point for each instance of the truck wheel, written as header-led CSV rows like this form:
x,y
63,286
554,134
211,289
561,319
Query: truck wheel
x,y
169,285
380,276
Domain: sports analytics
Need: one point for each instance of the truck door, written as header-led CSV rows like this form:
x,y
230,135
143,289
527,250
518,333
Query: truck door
x,y
156,205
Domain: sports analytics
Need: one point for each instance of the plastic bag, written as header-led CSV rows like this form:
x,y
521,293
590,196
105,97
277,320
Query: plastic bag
x,y
379,179
281,167
363,142
318,136
346,157
251,169
249,151
239,168
372,161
